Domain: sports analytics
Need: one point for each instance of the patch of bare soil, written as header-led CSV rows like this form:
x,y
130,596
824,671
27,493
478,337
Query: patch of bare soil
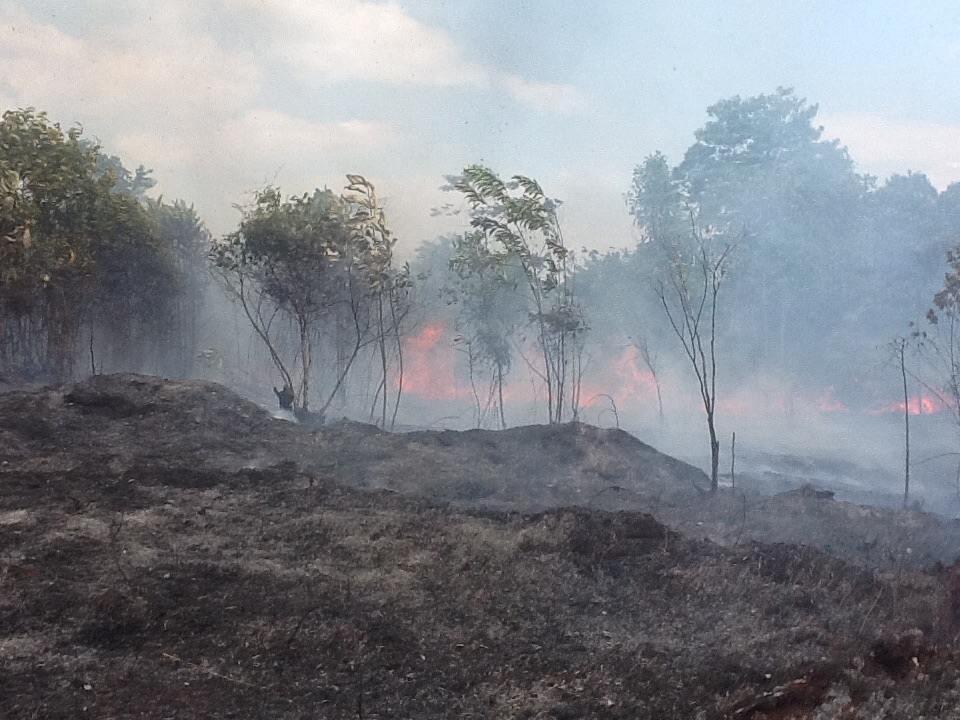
x,y
168,550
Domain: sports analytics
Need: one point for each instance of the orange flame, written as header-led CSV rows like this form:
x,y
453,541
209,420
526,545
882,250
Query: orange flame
x,y
922,405
430,373
430,363
625,383
428,338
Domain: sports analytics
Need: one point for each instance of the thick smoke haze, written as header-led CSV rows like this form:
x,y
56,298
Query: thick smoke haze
x,y
659,139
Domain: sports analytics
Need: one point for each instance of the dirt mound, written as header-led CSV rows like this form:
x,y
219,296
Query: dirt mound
x,y
525,467
144,413
140,429
530,468
123,419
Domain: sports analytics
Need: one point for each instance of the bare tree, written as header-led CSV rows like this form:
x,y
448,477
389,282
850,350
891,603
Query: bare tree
x,y
688,291
650,360
898,348
688,263
938,344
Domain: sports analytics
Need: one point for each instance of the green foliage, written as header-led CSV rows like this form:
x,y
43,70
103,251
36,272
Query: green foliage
x,y
822,243
760,166
657,199
516,228
183,235
290,247
51,199
490,312
125,182
306,259
750,133
75,236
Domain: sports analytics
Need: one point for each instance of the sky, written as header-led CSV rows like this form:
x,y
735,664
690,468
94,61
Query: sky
x,y
220,97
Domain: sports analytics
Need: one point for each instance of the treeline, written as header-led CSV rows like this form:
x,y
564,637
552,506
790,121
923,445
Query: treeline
x,y
820,267
86,260
830,264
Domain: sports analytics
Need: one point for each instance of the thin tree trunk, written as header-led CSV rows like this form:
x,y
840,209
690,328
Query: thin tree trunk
x,y
733,461
93,361
396,333
305,363
906,423
383,359
503,417
473,383
714,455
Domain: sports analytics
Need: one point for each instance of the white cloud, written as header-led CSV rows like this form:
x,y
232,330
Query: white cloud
x,y
343,40
547,97
162,92
158,86
883,147
161,72
257,147
259,141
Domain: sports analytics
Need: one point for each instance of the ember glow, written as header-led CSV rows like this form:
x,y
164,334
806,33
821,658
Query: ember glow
x,y
430,365
624,381
923,405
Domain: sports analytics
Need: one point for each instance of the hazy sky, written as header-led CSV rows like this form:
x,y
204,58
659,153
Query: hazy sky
x,y
221,96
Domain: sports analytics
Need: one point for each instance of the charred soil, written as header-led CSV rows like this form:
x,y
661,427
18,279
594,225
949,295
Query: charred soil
x,y
168,549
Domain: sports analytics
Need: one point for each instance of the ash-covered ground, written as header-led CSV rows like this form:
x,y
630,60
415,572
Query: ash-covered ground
x,y
170,550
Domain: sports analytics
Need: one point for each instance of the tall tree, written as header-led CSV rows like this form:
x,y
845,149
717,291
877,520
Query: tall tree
x,y
184,235
390,286
762,163
517,224
50,209
688,264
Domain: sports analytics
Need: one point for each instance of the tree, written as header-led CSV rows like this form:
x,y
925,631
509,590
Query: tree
x,y
898,348
283,261
489,312
516,224
183,233
134,183
136,283
50,195
939,342
317,265
79,247
689,267
761,163
390,287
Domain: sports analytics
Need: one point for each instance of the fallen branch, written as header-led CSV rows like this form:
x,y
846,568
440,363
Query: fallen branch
x,y
207,671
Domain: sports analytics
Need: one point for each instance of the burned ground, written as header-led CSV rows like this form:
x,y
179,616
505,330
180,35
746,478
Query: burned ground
x,y
169,550
539,466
